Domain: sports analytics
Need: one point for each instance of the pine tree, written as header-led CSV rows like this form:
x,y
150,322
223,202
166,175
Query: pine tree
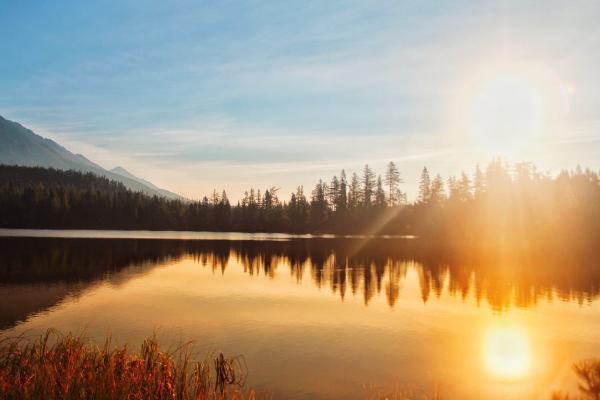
x,y
224,199
318,206
268,199
392,181
300,195
252,198
438,193
368,185
333,192
478,182
342,199
318,193
425,186
354,192
464,187
379,193
453,188
215,197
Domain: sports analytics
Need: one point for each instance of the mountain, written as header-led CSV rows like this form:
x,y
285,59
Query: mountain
x,y
21,146
124,173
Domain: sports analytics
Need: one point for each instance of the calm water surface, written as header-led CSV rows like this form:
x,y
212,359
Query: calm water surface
x,y
317,317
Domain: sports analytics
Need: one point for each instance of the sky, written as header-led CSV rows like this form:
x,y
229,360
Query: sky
x,y
196,95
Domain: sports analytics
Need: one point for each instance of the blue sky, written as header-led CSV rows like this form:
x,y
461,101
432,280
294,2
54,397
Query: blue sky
x,y
196,95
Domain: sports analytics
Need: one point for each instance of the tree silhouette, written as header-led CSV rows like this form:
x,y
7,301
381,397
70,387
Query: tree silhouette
x,y
334,192
392,183
516,206
354,192
478,182
425,186
380,193
342,198
368,185
437,193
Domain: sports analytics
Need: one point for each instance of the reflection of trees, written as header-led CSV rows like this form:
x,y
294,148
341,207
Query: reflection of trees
x,y
364,268
37,260
37,274
376,268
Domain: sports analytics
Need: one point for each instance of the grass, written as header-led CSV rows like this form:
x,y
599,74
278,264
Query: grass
x,y
588,372
56,366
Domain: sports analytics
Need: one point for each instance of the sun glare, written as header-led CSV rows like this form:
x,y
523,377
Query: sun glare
x,y
507,353
506,109
507,112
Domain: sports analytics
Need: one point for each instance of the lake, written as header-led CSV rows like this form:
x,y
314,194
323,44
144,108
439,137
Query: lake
x,y
316,317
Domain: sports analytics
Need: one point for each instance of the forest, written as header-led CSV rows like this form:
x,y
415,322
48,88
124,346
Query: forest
x,y
500,204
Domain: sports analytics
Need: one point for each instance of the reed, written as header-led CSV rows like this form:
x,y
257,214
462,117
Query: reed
x,y
588,373
57,366
68,367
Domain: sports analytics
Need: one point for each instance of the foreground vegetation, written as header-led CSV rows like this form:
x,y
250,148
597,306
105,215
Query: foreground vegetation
x,y
499,204
67,367
588,372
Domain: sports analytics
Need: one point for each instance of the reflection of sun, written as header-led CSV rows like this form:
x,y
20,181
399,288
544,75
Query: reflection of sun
x,y
507,352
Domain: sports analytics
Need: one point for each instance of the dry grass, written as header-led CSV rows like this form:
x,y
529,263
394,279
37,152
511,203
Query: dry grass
x,y
588,372
56,366
66,367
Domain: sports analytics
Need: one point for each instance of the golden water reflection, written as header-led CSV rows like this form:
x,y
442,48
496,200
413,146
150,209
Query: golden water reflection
x,y
507,352
319,319
343,266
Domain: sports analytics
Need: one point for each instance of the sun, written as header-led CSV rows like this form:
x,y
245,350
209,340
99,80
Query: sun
x,y
507,109
507,353
507,113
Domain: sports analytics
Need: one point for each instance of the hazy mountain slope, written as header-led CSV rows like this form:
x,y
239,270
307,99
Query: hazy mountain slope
x,y
123,172
21,146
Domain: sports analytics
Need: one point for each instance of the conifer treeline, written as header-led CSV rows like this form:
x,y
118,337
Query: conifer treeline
x,y
500,203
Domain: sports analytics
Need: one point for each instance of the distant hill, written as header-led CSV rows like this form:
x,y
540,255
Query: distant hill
x,y
126,174
39,197
21,146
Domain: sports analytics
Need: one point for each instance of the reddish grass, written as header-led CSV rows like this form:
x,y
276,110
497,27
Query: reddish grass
x,y
66,367
588,372
56,366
